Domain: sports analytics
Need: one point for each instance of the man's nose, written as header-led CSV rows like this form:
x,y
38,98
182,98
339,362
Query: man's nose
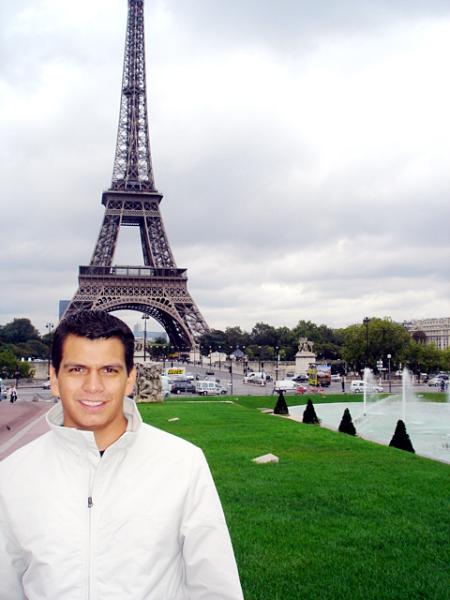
x,y
93,382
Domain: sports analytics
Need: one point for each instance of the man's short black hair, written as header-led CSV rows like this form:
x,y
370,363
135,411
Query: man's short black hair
x,y
94,325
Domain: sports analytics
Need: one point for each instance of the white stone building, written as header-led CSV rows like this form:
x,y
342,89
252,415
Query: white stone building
x,y
436,331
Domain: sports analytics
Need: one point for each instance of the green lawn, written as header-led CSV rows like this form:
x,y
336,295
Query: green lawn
x,y
337,518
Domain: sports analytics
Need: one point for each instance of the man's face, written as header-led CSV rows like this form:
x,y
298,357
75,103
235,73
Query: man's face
x,y
92,381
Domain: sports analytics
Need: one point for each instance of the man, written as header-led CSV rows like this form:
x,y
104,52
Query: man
x,y
105,507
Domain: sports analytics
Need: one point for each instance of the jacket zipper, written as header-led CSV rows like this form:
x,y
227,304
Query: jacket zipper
x,y
90,506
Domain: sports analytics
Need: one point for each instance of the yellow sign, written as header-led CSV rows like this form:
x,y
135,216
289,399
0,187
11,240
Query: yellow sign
x,y
176,371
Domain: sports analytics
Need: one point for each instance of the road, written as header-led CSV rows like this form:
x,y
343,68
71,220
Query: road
x,y
24,420
250,389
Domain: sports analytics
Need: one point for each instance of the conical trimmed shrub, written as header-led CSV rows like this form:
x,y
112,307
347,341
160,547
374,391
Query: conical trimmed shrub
x,y
281,406
309,414
346,425
400,439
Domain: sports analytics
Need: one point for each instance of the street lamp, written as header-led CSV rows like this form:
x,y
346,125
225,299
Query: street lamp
x,y
49,327
277,350
145,317
219,348
389,356
366,325
210,359
244,360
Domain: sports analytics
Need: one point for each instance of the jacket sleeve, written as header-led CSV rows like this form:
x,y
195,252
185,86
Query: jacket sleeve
x,y
210,566
11,564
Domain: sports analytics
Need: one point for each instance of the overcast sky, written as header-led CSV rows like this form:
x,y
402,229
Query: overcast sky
x,y
303,150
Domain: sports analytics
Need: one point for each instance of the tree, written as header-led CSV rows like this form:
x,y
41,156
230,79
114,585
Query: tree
x,y
309,414
9,365
383,336
400,439
281,406
346,424
234,337
419,337
8,362
32,348
264,335
327,342
18,330
213,339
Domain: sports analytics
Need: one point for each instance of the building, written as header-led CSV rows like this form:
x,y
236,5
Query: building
x,y
431,331
151,336
63,304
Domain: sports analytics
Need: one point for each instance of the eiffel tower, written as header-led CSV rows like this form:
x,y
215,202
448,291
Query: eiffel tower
x,y
158,288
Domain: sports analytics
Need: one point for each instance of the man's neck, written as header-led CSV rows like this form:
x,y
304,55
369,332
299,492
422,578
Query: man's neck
x,y
104,439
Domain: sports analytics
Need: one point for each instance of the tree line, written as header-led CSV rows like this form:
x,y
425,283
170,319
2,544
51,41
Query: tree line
x,y
348,348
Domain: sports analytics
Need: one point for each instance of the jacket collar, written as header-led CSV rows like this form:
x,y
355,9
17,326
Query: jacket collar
x,y
80,440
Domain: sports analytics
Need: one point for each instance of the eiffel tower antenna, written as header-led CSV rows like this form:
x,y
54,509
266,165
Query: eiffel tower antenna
x,y
159,287
133,163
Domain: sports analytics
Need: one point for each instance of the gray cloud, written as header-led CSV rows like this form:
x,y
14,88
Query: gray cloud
x,y
302,151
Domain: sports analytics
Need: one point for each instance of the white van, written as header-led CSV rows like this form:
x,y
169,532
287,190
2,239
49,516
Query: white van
x,y
286,385
209,388
358,385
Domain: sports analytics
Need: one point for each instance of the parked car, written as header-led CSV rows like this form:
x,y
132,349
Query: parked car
x,y
357,387
335,377
300,378
209,372
209,388
179,387
437,380
258,378
46,385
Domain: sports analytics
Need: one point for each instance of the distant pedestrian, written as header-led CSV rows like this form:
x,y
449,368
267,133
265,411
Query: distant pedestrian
x,y
12,395
343,384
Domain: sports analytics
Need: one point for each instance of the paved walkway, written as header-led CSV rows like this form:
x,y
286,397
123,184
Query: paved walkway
x,y
20,423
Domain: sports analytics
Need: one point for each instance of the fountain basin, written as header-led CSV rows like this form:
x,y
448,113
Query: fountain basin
x,y
427,423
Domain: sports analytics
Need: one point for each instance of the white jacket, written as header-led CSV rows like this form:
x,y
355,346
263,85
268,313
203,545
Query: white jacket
x,y
143,522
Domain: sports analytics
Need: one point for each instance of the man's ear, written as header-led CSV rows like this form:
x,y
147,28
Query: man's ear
x,y
54,382
131,380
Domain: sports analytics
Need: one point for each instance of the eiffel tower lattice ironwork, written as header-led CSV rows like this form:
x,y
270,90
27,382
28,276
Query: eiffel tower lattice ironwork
x,y
158,288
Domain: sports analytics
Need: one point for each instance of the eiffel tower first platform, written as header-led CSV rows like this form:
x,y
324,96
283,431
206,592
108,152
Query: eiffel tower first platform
x,y
158,288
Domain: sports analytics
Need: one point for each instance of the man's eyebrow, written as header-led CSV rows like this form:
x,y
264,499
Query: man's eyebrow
x,y
105,366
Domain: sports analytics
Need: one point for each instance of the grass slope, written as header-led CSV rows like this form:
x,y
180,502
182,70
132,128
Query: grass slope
x,y
337,518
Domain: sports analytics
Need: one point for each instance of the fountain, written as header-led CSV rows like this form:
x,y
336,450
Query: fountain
x,y
428,423
369,391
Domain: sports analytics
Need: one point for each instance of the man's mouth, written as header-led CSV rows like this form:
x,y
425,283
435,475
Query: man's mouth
x,y
91,403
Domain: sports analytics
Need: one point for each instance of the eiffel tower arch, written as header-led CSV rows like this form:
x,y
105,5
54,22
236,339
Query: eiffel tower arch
x,y
158,288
